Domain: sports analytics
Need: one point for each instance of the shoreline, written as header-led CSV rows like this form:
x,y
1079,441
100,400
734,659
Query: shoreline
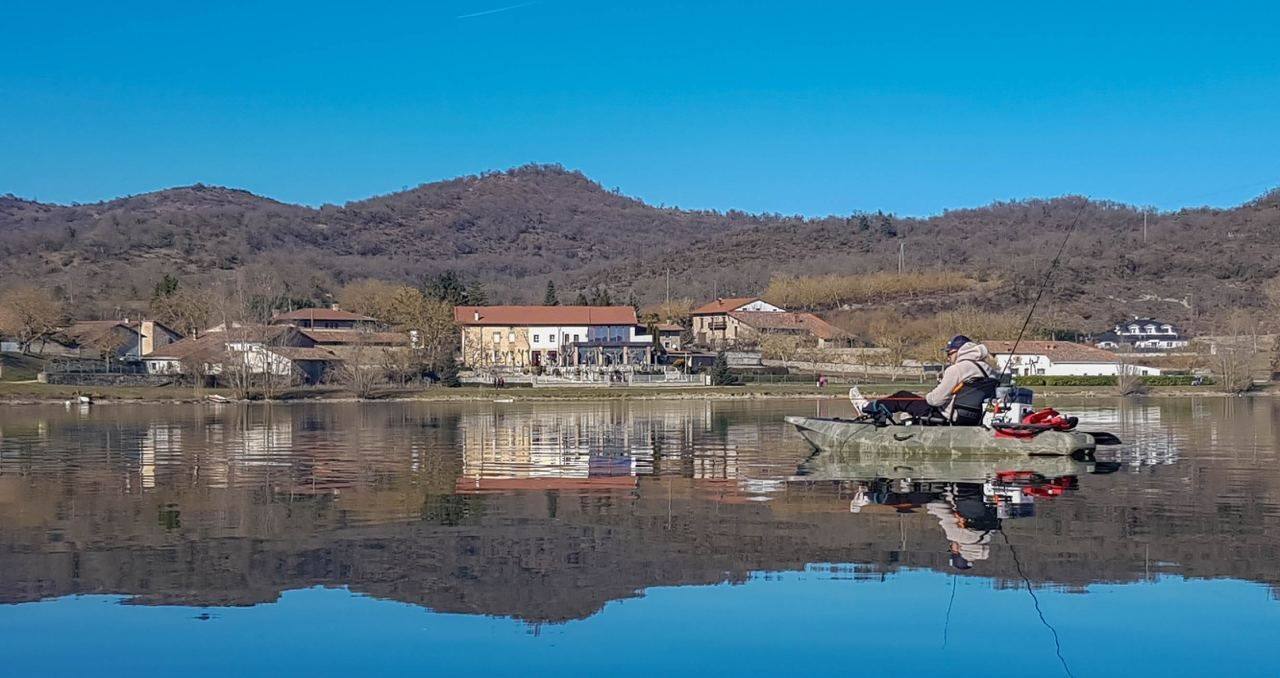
x,y
17,393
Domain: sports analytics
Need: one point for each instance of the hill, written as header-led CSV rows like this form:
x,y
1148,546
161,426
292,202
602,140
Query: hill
x,y
516,230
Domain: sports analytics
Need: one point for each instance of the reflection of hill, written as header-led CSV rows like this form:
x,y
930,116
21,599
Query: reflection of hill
x,y
365,497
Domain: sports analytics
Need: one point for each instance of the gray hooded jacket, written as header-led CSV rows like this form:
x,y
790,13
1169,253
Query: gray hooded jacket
x,y
959,372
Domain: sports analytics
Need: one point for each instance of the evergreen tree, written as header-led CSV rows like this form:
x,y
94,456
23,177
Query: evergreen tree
x,y
446,287
658,348
864,224
476,295
720,374
633,302
581,300
447,372
164,289
550,298
600,297
886,226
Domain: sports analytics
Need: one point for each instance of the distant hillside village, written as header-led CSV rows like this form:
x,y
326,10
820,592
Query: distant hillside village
x,y
397,336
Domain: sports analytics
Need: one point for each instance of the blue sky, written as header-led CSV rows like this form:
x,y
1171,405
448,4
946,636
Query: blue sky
x,y
792,107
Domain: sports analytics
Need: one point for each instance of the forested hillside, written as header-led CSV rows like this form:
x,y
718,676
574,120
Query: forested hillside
x,y
518,229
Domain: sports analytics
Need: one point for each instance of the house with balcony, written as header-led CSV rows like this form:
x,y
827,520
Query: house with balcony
x,y
746,321
1142,334
715,326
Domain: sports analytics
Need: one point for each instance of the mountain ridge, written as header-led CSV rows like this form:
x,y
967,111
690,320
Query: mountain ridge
x,y
517,229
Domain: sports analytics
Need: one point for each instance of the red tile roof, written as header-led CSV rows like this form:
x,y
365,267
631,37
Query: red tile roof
x,y
788,321
544,315
304,353
1057,351
322,314
724,305
352,337
210,348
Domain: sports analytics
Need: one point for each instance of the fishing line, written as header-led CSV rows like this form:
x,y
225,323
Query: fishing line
x,y
1057,644
947,624
1043,286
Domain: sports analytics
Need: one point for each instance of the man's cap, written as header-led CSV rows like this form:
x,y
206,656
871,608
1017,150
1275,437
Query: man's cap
x,y
958,341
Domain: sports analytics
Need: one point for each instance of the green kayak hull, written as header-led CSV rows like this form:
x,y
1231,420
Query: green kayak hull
x,y
931,465
842,434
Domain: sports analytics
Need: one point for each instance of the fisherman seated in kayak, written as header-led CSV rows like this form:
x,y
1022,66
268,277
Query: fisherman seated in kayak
x,y
956,400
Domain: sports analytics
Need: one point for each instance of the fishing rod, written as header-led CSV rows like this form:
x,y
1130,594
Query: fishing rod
x,y
1044,284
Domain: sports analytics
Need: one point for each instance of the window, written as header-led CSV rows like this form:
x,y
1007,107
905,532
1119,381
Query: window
x,y
576,339
497,337
535,338
511,337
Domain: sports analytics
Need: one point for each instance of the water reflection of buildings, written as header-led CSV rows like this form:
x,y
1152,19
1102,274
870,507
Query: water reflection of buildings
x,y
243,503
605,446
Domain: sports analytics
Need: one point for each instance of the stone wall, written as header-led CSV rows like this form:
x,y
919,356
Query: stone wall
x,y
105,379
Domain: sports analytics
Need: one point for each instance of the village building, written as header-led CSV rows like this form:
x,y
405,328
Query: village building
x,y
121,339
519,337
281,351
1142,334
669,335
1062,359
714,327
746,321
323,319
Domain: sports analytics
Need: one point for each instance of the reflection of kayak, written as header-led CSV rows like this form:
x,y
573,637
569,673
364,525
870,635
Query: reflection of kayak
x,y
844,434
919,464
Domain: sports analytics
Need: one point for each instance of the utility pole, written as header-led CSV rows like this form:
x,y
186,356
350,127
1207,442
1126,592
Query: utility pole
x,y
1144,226
902,252
668,285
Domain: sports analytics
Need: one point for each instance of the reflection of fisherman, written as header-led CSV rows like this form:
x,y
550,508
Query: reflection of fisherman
x,y
902,495
968,521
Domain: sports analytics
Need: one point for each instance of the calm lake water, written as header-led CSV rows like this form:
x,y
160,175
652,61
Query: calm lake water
x,y
627,538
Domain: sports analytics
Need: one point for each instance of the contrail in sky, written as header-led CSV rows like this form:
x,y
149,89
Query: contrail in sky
x,y
495,11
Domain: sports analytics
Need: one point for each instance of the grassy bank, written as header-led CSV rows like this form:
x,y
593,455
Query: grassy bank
x,y
32,392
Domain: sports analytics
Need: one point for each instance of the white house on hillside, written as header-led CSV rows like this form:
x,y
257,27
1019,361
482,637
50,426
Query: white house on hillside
x,y
1062,359
1143,334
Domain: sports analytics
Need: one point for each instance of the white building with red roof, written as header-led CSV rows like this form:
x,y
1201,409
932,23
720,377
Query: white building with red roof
x,y
1062,359
551,336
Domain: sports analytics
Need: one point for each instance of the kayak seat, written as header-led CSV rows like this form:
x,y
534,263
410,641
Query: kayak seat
x,y
970,402
967,405
934,419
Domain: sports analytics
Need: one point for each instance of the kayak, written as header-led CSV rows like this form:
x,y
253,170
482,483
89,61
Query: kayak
x,y
845,434
931,465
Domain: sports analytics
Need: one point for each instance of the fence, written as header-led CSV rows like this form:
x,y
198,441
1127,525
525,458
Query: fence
x,y
833,378
94,366
915,373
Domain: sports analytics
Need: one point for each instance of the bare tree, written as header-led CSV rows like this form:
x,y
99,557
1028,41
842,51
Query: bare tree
x,y
780,346
108,344
1234,353
188,311
29,314
1128,381
362,369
